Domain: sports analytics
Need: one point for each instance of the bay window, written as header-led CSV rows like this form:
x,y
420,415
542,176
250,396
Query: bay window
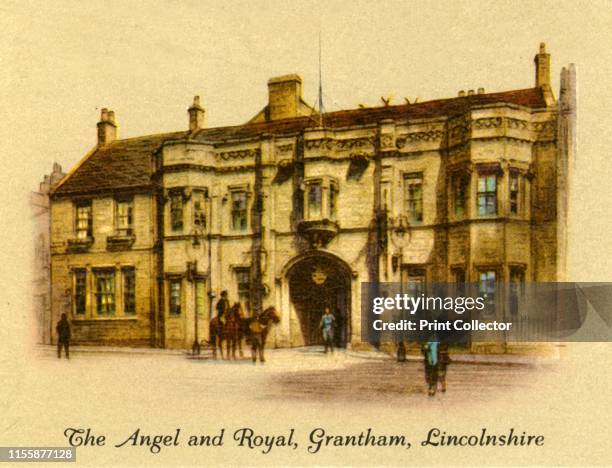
x,y
321,199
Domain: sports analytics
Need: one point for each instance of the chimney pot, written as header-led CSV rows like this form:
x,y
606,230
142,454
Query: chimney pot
x,y
481,90
107,127
471,92
542,68
461,93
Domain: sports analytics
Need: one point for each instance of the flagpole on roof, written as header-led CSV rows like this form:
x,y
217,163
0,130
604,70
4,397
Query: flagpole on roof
x,y
320,104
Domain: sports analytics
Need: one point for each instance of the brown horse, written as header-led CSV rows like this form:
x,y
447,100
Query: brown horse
x,y
229,330
256,331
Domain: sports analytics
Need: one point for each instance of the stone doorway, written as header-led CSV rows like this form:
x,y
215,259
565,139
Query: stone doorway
x,y
315,283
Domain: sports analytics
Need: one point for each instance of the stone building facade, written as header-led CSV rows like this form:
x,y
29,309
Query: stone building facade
x,y
296,210
41,267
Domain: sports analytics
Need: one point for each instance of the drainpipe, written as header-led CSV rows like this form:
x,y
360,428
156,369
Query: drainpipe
x,y
256,286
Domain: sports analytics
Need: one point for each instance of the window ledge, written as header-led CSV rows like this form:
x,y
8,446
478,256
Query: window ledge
x,y
80,244
120,241
122,318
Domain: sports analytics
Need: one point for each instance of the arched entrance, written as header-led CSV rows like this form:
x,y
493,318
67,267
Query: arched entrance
x,y
317,282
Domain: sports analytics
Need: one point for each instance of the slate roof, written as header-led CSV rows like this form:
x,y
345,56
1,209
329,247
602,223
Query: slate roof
x,y
128,163
120,164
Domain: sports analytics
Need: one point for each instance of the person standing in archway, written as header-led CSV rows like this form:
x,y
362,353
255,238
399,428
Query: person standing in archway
x,y
327,325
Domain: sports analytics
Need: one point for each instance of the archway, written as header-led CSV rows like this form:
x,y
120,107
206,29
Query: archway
x,y
317,282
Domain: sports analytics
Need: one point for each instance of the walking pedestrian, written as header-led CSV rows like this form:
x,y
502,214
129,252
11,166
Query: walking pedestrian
x,y
431,353
443,364
63,336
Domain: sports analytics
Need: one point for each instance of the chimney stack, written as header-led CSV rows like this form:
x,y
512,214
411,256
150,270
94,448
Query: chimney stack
x,y
196,115
107,127
284,96
542,68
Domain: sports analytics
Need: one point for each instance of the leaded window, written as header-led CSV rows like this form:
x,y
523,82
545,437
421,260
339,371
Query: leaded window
x,y
487,288
315,198
129,290
333,201
199,209
514,193
105,291
176,211
460,195
124,221
80,291
175,296
487,195
239,211
414,197
243,284
83,225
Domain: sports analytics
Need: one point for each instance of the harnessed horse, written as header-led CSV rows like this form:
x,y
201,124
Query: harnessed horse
x,y
256,330
229,331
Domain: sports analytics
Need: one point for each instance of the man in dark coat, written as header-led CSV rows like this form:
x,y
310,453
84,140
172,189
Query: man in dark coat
x,y
443,364
63,336
222,306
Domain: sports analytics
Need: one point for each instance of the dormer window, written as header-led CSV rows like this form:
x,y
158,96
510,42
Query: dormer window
x,y
321,198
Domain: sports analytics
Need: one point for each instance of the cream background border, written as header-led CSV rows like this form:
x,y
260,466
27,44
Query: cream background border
x,y
62,61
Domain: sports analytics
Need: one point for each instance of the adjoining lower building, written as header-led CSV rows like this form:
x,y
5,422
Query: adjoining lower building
x,y
41,266
296,210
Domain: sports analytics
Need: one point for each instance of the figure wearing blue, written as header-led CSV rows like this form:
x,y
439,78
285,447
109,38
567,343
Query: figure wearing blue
x,y
327,325
431,353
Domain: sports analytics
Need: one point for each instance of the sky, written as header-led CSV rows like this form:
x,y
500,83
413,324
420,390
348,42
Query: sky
x,y
63,61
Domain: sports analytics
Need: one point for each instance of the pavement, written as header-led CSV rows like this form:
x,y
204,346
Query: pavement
x,y
372,354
